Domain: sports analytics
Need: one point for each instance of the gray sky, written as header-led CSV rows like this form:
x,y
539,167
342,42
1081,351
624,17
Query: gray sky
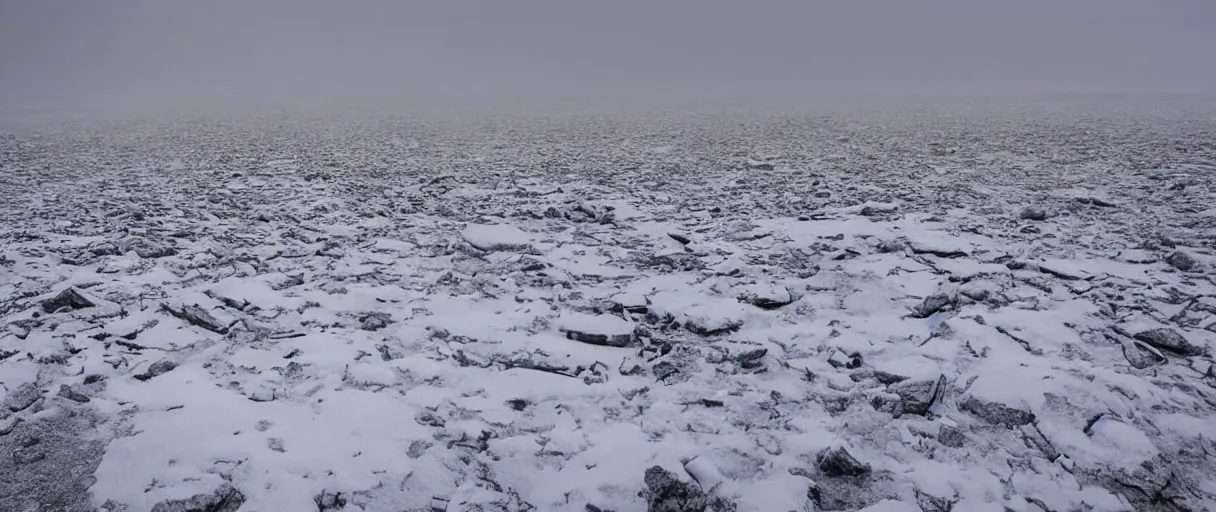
x,y
156,53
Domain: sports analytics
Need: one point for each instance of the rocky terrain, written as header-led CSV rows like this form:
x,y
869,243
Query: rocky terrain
x,y
922,312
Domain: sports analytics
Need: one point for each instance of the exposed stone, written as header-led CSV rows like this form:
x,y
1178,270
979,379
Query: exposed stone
x,y
67,392
665,492
919,395
374,321
70,298
1168,339
837,461
951,436
224,499
997,413
157,369
931,305
23,397
196,315
605,330
1182,261
1032,213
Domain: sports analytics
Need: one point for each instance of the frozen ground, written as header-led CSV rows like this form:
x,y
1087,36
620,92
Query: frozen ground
x,y
964,313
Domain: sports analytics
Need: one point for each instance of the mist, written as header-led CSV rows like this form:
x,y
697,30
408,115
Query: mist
x,y
131,55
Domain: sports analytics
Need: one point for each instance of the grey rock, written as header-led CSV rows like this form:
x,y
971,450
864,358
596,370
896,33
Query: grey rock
x,y
157,369
607,340
374,321
930,305
225,499
329,501
1168,339
997,413
951,436
871,210
70,298
23,397
1032,213
665,492
837,461
1142,356
196,315
884,378
889,403
1182,261
890,246
919,395
67,392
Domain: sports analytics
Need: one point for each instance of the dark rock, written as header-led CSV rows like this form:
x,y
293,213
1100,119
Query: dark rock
x,y
951,436
518,404
375,321
838,462
224,499
997,413
931,305
1182,261
889,403
329,501
751,355
1031,213
882,377
1168,339
196,315
1102,202
67,392
607,340
94,378
70,298
157,369
680,238
919,395
666,493
1140,355
768,297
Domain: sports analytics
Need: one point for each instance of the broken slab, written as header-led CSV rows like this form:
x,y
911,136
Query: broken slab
x,y
497,237
837,461
997,413
196,315
71,298
604,330
766,295
1168,339
1064,269
919,395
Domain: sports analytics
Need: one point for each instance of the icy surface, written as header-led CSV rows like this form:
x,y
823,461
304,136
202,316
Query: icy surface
x,y
804,313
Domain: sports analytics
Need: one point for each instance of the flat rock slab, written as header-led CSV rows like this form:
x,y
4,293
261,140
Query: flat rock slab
x,y
605,330
1064,269
497,237
1168,339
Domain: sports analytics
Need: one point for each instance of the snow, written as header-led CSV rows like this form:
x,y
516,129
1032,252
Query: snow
x,y
413,327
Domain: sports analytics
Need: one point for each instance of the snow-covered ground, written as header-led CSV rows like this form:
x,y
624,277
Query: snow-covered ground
x,y
964,313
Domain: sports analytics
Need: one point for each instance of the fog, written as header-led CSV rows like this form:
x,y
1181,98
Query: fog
x,y
156,54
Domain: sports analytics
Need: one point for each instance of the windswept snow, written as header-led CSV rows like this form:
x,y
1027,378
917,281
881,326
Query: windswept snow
x,y
820,313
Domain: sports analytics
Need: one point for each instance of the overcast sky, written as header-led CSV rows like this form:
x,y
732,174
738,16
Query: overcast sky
x,y
98,53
